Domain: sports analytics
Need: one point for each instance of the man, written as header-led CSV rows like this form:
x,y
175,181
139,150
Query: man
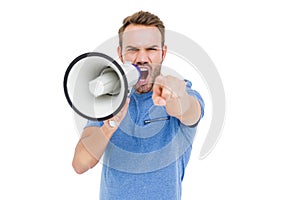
x,y
148,143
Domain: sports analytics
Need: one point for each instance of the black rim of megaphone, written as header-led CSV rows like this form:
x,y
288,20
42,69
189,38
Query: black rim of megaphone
x,y
85,55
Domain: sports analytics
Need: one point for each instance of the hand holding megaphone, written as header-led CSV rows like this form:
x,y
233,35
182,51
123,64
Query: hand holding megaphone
x,y
96,86
113,123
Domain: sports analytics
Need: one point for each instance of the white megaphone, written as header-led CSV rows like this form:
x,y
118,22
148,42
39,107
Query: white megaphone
x,y
96,86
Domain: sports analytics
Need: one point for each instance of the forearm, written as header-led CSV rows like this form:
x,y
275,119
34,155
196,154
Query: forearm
x,y
186,108
93,142
90,148
96,141
192,114
171,92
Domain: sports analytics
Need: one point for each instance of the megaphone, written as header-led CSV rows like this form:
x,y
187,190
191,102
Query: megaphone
x,y
96,86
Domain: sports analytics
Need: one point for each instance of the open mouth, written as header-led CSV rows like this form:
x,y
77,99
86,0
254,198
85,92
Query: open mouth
x,y
145,74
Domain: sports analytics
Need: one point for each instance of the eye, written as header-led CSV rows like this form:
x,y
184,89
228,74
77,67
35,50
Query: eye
x,y
132,49
152,49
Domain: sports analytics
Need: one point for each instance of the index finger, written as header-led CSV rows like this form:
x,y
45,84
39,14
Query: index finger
x,y
157,91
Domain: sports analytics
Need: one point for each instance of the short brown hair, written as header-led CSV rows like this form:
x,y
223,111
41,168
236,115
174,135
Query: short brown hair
x,y
143,18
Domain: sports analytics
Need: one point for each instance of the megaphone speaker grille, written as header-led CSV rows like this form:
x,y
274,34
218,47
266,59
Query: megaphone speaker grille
x,y
83,70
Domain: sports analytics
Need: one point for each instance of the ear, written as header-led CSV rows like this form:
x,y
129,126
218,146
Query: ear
x,y
164,52
120,54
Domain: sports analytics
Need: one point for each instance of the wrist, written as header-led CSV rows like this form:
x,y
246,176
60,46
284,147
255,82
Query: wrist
x,y
107,131
185,103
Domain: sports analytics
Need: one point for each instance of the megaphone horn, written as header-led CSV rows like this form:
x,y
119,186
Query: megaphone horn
x,y
96,86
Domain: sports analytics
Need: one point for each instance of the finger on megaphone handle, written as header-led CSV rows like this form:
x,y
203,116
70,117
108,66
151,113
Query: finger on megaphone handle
x,y
116,120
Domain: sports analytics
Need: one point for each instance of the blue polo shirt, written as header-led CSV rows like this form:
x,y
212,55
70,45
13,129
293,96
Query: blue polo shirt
x,y
147,155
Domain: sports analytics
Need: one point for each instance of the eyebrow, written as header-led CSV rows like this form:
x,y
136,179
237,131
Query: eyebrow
x,y
153,46
130,47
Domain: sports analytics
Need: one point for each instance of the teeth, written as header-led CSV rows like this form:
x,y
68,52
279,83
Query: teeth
x,y
144,73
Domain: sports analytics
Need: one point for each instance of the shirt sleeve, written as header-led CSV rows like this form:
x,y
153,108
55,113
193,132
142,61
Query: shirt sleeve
x,y
91,123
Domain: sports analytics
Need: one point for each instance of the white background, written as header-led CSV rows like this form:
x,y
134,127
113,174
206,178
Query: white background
x,y
255,46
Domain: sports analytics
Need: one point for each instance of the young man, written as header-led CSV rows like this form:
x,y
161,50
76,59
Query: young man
x,y
148,143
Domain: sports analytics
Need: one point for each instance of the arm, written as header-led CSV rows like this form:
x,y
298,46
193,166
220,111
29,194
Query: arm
x,y
93,143
171,92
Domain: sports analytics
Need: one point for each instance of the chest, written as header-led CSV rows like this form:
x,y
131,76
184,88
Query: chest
x,y
145,128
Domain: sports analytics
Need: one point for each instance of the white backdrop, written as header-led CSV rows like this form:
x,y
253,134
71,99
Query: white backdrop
x,y
255,46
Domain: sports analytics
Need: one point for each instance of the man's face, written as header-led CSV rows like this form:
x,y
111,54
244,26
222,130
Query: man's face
x,y
142,46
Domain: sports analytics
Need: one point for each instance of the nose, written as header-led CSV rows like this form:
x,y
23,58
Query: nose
x,y
142,57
